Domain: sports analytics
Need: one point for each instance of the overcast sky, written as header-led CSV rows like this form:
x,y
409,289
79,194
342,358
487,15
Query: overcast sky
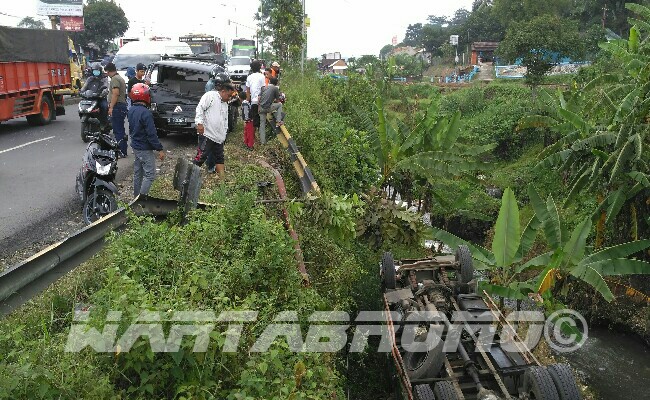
x,y
352,27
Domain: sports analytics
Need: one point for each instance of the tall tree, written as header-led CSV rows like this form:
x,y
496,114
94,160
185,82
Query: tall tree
x,y
438,20
483,25
511,11
460,17
385,51
433,37
29,22
413,36
282,21
539,43
103,22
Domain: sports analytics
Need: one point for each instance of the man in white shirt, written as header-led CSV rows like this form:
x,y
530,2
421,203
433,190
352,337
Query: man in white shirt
x,y
254,84
212,122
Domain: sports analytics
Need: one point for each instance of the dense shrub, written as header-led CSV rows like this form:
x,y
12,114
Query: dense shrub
x,y
491,114
323,123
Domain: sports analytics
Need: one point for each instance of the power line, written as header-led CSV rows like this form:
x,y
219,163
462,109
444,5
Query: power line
x,y
15,16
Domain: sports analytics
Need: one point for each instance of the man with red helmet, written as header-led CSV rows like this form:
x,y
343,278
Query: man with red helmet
x,y
144,139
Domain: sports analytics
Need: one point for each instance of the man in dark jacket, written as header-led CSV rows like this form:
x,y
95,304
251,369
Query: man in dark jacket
x,y
140,70
144,140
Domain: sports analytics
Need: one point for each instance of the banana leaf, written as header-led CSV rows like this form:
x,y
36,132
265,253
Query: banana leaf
x,y
617,200
507,232
618,251
539,261
617,266
479,253
574,250
595,279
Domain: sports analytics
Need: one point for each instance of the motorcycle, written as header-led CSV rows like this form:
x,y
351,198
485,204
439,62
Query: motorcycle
x,y
95,180
89,113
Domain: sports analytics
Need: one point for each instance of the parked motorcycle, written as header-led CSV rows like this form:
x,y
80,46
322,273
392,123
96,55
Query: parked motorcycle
x,y
89,113
95,180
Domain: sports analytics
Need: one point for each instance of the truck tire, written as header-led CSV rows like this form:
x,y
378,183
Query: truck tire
x,y
47,113
445,390
464,257
388,271
425,365
565,382
538,384
424,392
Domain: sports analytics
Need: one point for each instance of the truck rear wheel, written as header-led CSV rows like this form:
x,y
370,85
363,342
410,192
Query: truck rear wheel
x,y
564,381
424,364
464,257
47,112
424,392
538,384
388,271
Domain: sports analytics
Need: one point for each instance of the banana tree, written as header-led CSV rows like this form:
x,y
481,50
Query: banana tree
x,y
612,159
430,150
566,256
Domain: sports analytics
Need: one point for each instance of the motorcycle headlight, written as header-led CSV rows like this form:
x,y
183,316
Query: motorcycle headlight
x,y
154,107
86,106
102,169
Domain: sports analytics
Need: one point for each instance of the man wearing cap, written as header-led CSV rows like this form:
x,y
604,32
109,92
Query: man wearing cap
x,y
138,78
275,70
212,122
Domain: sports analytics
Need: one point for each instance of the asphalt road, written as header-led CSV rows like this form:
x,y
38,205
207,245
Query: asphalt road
x,y
38,166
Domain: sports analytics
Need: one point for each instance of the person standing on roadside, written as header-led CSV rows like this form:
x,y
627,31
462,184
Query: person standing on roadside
x,y
270,103
137,78
117,106
130,74
275,70
254,84
268,74
212,122
144,140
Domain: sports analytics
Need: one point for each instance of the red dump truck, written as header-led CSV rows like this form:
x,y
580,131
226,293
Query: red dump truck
x,y
34,64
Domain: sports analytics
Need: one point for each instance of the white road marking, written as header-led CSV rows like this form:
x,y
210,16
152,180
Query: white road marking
x,y
26,144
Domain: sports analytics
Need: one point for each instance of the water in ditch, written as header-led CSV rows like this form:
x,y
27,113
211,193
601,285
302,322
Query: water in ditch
x,y
614,365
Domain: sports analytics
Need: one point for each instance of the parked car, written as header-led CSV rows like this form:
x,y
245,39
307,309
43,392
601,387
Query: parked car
x,y
147,52
238,67
176,89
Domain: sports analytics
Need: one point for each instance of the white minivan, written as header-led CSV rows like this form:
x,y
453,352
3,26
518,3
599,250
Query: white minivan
x,y
147,52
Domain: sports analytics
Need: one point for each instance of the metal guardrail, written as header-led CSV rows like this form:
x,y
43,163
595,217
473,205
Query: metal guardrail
x,y
307,180
21,281
23,273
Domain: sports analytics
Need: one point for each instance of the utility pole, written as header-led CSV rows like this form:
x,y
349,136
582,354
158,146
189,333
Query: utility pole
x,y
302,53
604,19
468,49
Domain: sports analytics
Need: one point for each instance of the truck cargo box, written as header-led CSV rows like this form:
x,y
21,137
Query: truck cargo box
x,y
35,45
34,64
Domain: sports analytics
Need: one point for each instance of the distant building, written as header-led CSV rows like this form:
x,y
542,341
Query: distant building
x,y
484,51
413,52
332,62
409,50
